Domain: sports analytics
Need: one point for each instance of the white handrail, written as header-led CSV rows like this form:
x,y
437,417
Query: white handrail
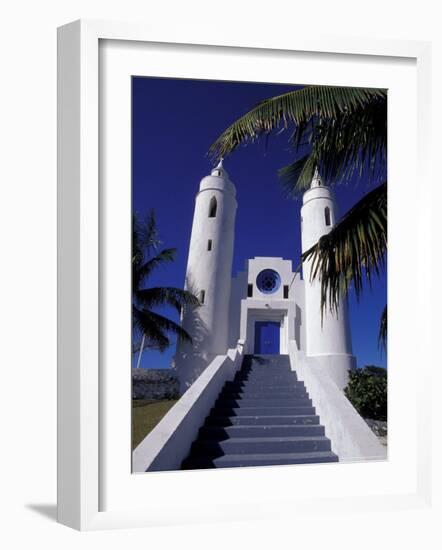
x,y
168,444
351,438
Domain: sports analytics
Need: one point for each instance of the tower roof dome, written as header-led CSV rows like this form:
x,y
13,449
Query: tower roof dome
x,y
219,170
316,180
317,189
218,179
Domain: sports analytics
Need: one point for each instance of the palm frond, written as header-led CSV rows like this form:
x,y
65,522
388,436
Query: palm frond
x,y
298,175
353,251
145,258
166,296
145,238
296,107
144,323
352,143
342,131
382,337
156,327
141,271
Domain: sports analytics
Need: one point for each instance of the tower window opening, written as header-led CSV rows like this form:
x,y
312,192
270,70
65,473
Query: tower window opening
x,y
202,296
286,291
249,290
212,208
327,215
209,245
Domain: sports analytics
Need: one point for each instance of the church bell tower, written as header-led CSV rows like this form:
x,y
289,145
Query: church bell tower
x,y
328,337
208,275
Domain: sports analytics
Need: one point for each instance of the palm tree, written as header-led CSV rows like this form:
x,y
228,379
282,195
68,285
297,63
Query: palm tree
x,y
148,325
342,132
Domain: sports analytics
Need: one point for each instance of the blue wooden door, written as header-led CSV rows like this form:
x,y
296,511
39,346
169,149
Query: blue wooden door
x,y
267,337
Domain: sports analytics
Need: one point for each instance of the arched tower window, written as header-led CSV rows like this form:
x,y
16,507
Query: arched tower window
x,y
212,208
327,215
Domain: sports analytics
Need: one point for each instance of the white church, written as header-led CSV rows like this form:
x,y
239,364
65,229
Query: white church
x,y
262,382
267,306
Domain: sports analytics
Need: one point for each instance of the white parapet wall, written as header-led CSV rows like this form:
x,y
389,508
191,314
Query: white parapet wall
x,y
351,438
168,444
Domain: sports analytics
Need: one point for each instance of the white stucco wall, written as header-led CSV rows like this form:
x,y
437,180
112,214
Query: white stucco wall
x,y
168,444
245,311
229,314
238,292
327,335
281,266
351,438
208,271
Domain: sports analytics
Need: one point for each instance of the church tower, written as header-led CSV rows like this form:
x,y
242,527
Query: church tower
x,y
327,340
208,275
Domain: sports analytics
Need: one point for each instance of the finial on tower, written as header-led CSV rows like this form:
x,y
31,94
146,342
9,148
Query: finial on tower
x,y
316,181
219,169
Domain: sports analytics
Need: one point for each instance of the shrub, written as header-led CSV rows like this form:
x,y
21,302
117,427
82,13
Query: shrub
x,y
367,392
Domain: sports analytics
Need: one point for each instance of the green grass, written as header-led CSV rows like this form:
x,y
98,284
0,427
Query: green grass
x,y
146,415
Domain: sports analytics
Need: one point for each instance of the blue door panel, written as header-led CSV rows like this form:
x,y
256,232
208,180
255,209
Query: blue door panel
x,y
267,337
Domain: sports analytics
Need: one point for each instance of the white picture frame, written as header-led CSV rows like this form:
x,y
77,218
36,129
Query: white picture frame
x,y
80,395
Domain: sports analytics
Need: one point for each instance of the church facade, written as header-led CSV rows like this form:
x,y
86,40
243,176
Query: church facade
x,y
262,380
268,308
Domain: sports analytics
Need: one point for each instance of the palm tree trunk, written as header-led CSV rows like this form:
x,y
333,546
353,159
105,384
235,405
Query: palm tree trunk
x,y
141,351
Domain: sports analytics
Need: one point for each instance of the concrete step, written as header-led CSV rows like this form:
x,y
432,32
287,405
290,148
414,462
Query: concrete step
x,y
265,411
263,417
264,393
253,445
271,459
244,384
286,430
263,402
281,420
268,372
266,380
266,368
241,386
252,357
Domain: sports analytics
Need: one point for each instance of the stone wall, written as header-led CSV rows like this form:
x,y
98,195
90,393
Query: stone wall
x,y
154,384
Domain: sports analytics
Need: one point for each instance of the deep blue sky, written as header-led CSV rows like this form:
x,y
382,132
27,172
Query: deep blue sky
x,y
174,123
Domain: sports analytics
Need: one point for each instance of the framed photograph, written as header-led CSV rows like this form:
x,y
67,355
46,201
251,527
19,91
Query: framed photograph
x,y
223,276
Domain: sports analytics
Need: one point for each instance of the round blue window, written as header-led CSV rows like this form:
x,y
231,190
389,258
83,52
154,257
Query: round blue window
x,y
268,281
